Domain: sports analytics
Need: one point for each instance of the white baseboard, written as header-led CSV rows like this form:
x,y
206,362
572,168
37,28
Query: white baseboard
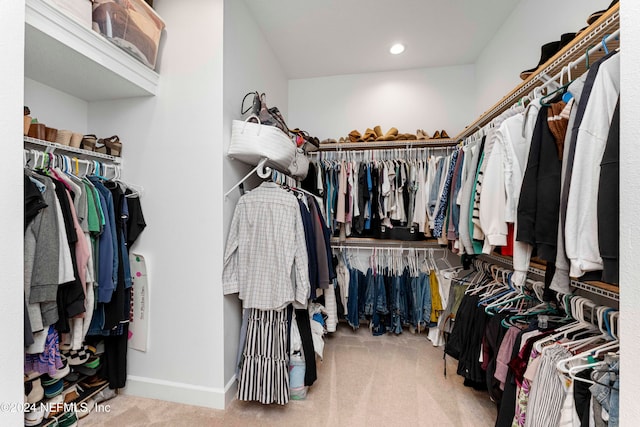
x,y
210,397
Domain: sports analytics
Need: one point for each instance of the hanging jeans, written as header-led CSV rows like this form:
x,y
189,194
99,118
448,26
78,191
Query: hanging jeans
x,y
380,306
421,300
352,301
370,294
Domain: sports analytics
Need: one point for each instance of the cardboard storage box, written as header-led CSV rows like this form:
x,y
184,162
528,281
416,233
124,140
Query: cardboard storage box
x,y
79,10
130,24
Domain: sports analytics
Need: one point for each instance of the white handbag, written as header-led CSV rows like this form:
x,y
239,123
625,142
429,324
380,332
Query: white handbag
x,y
252,142
299,167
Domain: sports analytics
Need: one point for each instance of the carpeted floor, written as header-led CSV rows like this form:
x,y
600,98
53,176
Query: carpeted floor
x,y
362,381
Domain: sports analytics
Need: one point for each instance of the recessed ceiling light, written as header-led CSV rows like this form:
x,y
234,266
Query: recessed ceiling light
x,y
397,49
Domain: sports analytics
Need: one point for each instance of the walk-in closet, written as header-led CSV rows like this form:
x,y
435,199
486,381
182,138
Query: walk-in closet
x,y
238,212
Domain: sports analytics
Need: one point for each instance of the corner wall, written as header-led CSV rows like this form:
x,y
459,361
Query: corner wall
x,y
172,147
249,65
516,45
11,213
428,98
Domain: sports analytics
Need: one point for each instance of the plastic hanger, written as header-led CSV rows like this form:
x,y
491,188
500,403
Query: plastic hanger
x,y
561,90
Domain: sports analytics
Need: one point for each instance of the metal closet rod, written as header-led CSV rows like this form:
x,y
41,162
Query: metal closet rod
x,y
392,248
575,283
575,63
373,153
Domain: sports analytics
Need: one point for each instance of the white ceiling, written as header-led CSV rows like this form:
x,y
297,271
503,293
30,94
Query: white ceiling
x,y
313,38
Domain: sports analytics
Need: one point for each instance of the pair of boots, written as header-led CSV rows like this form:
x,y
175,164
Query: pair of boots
x,y
376,134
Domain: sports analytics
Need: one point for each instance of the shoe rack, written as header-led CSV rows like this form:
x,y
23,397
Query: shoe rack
x,y
575,53
63,54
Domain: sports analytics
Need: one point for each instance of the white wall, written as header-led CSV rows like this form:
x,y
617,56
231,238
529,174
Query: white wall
x,y
430,99
249,65
516,45
172,147
11,213
629,208
54,108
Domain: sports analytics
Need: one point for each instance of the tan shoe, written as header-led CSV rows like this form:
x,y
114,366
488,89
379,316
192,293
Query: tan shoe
x,y
411,137
401,137
436,135
354,136
369,135
391,135
378,131
444,135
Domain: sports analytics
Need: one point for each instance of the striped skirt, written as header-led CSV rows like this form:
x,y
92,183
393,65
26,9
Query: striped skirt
x,y
264,371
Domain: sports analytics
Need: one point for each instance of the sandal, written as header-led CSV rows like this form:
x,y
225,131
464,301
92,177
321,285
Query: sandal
x,y
92,382
114,146
89,142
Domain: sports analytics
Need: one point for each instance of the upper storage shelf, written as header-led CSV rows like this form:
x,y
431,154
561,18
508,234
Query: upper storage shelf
x,y
61,53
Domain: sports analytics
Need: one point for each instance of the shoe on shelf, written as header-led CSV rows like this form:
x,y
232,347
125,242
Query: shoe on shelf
x,y
62,372
436,135
76,357
354,136
33,391
84,410
52,389
68,419
391,135
596,15
113,144
444,134
35,416
89,142
105,394
547,51
378,131
342,140
401,137
411,137
422,135
92,382
369,135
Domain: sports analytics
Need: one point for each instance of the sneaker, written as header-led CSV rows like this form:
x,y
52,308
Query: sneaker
x,y
76,357
62,372
53,389
34,417
105,394
33,391
85,408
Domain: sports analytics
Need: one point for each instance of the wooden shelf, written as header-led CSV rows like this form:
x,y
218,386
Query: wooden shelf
x,y
379,145
84,154
591,36
608,290
63,54
367,242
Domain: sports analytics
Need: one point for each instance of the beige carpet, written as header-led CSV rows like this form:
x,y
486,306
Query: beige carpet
x,y
363,381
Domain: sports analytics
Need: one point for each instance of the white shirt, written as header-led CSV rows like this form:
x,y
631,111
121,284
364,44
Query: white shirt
x,y
265,248
581,226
